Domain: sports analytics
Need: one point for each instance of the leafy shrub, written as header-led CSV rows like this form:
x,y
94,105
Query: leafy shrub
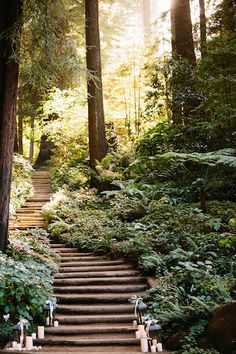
x,y
21,187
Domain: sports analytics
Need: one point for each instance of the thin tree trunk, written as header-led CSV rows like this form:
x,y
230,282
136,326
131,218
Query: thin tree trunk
x,y
20,134
16,145
146,19
31,151
97,137
182,41
202,26
10,12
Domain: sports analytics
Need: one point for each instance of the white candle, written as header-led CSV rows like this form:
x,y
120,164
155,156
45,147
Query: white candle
x,y
140,328
134,323
159,347
29,342
153,349
40,332
14,345
34,336
144,345
154,342
143,334
137,334
56,323
47,321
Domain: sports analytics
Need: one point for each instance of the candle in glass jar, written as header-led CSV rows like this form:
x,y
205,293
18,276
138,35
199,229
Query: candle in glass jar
x,y
154,342
134,323
56,323
34,336
40,332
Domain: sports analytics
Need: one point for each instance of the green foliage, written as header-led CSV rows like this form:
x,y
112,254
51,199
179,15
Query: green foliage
x,y
26,276
21,187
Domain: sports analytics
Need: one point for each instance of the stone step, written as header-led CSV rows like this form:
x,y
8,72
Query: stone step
x,y
82,330
94,268
99,281
94,298
95,263
87,340
92,319
99,289
71,250
95,309
94,349
81,257
123,273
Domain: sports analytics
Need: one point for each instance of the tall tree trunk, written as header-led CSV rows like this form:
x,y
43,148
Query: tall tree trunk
x,y
182,41
16,145
10,12
97,137
202,26
146,19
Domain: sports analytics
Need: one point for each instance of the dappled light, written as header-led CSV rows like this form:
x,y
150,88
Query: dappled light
x,y
117,176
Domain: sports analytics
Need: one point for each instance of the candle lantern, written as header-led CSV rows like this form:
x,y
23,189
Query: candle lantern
x,y
154,331
140,308
19,331
49,312
16,333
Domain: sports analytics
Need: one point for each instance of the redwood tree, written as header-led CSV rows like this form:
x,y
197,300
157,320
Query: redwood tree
x,y
202,26
97,137
10,14
181,29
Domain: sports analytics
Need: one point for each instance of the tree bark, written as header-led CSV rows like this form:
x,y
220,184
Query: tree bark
x,y
31,148
181,29
20,133
10,12
202,26
97,137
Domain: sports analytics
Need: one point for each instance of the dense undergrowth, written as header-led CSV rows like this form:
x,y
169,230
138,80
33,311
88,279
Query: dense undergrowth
x,y
190,252
27,268
26,274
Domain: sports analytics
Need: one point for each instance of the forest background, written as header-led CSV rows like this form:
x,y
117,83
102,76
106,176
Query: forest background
x,y
165,192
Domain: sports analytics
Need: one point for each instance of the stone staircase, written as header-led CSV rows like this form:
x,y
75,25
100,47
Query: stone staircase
x,y
93,310
92,292
29,215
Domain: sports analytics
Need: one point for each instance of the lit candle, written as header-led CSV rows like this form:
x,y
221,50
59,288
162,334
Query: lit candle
x,y
159,347
29,342
153,349
40,332
137,334
134,323
144,345
34,336
56,323
140,328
